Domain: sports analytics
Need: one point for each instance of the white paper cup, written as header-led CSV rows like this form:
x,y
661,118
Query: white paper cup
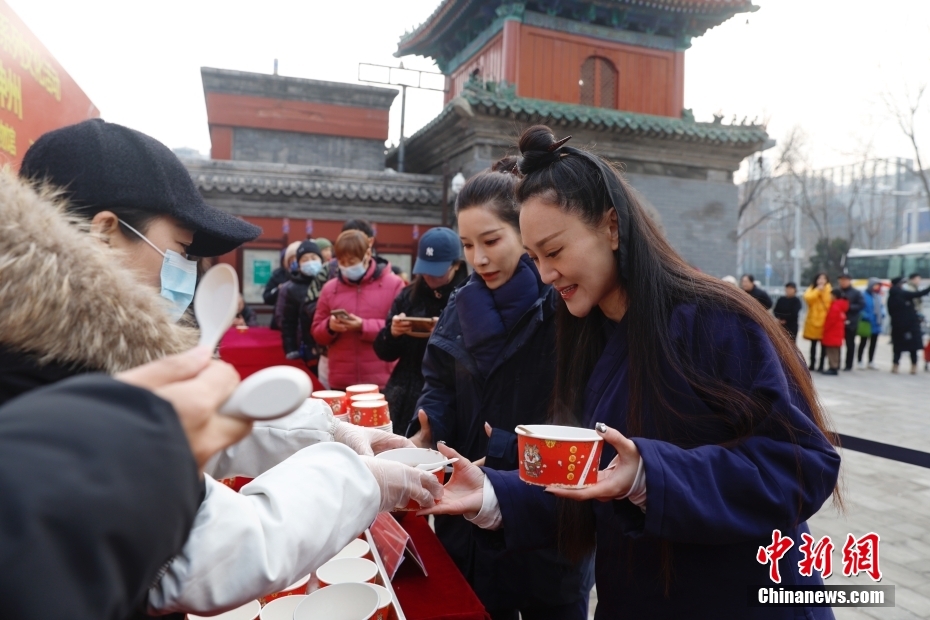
x,y
347,570
342,601
249,611
358,548
282,608
384,604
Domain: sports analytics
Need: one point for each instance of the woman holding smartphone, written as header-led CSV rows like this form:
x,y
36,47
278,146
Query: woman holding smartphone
x,y
490,365
438,271
350,312
714,438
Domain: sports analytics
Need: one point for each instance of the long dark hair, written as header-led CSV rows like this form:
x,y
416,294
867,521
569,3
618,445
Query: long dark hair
x,y
655,279
493,189
817,277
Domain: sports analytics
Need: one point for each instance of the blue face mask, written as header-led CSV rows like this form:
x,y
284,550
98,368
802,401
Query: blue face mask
x,y
293,266
178,278
311,268
353,273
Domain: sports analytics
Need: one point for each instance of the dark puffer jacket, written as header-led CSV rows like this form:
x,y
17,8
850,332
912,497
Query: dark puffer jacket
x,y
505,381
406,382
905,322
299,304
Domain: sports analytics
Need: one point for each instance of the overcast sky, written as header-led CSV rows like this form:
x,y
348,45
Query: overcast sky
x,y
820,64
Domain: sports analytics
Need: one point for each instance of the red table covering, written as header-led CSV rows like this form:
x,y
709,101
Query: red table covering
x,y
258,348
445,593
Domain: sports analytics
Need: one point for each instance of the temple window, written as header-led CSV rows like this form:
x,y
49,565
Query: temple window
x,y
598,83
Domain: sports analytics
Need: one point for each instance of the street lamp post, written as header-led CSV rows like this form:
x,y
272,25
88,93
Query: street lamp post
x,y
405,78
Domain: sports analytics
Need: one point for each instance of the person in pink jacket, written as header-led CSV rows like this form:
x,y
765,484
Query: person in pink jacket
x,y
364,290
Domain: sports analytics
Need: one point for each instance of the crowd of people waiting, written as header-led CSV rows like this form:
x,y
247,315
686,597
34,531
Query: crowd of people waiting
x,y
837,316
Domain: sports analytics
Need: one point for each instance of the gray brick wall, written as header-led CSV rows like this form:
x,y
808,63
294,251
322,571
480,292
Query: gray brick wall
x,y
307,149
699,218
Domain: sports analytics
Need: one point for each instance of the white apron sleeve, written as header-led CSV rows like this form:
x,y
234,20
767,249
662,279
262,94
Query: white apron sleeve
x,y
280,527
273,441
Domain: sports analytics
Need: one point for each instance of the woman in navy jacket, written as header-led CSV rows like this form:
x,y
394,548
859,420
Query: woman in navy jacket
x,y
713,436
490,365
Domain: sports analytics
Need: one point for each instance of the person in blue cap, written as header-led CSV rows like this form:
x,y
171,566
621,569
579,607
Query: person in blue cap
x,y
438,271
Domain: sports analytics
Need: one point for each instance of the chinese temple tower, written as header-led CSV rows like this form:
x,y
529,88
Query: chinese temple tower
x,y
608,72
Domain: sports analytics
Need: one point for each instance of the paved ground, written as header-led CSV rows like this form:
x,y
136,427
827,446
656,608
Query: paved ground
x,y
887,497
890,498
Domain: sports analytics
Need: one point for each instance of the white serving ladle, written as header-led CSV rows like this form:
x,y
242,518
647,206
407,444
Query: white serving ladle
x,y
268,394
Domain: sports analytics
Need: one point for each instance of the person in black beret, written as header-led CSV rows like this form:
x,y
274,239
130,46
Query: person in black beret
x,y
133,189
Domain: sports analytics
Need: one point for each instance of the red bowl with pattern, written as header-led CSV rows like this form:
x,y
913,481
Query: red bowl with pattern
x,y
362,388
336,399
414,457
564,456
370,413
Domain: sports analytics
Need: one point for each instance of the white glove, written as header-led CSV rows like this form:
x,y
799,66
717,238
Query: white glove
x,y
368,441
401,483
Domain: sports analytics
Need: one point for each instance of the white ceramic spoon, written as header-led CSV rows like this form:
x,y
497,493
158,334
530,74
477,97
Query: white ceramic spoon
x,y
215,303
270,393
429,466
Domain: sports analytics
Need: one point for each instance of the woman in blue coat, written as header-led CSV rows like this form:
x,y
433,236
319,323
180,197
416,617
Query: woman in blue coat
x,y
489,366
713,435
874,313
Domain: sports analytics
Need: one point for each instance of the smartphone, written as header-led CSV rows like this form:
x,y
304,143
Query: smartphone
x,y
342,315
421,325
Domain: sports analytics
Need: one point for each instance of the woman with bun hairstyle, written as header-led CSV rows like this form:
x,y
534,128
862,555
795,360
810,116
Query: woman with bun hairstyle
x,y
713,437
489,366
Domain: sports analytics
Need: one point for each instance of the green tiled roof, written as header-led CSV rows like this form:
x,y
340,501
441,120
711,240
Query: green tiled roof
x,y
456,23
501,101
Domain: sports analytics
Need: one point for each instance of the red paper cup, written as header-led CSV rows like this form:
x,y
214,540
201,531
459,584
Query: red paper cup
x,y
414,457
370,413
366,396
334,398
343,601
347,570
362,388
564,456
300,587
282,608
385,604
358,548
249,611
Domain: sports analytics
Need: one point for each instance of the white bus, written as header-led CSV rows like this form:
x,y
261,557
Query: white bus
x,y
888,264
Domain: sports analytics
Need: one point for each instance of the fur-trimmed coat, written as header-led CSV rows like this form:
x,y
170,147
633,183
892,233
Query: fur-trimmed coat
x,y
68,306
53,322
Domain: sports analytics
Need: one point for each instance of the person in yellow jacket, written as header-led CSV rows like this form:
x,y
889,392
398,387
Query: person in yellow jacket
x,y
818,297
